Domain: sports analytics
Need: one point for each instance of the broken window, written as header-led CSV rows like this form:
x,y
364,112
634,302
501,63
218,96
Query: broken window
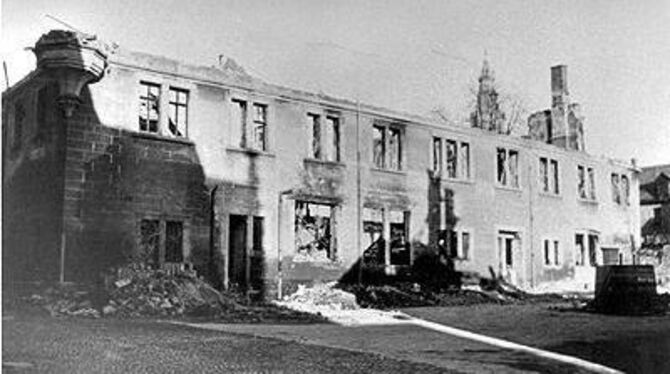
x,y
593,246
544,174
464,249
581,182
239,116
315,124
174,241
394,148
332,139
373,229
379,146
625,189
580,250
161,241
464,154
387,147
313,228
508,167
549,175
399,243
592,183
149,107
178,115
259,130
325,138
616,192
452,160
437,155
506,244
551,252
150,235
501,166
553,172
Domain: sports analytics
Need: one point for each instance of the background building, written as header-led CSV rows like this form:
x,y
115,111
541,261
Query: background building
x,y
111,156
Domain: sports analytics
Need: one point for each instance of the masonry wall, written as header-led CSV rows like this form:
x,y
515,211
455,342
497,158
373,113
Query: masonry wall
x,y
32,183
115,178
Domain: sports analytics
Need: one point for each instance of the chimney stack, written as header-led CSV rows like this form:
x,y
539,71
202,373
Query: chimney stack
x,y
559,106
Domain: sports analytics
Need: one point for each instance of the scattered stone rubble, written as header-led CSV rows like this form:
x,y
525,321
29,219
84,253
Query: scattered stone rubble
x,y
320,296
140,291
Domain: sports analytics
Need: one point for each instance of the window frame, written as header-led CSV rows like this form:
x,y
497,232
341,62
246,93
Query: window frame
x,y
590,193
552,244
177,104
382,161
506,169
462,166
325,136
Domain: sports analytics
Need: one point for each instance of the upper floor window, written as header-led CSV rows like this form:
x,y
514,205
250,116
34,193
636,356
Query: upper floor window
x,y
149,109
387,147
549,181
325,138
456,156
259,131
508,167
252,136
586,184
620,189
178,115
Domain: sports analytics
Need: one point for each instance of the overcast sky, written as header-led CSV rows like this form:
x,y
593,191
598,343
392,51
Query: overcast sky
x,y
407,55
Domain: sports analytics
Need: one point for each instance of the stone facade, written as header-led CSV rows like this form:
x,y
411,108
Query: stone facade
x,y
263,186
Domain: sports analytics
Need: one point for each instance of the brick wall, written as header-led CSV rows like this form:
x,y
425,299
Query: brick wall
x,y
113,179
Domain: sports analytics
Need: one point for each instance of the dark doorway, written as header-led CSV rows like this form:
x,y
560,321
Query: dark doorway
x,y
237,245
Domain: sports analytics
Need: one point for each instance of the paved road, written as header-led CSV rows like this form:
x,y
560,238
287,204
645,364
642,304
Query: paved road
x,y
630,344
39,344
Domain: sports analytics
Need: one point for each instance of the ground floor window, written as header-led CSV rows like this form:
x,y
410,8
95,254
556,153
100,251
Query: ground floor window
x,y
586,246
375,241
507,244
611,256
314,226
551,252
161,241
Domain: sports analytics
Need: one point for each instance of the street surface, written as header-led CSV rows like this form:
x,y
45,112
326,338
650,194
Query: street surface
x,y
38,343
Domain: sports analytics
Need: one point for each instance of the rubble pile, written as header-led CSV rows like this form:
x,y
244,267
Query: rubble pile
x,y
320,296
138,290
65,300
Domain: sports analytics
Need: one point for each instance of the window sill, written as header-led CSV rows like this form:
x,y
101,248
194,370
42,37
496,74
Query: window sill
x,y
388,171
250,151
457,180
153,136
587,201
310,160
550,195
508,188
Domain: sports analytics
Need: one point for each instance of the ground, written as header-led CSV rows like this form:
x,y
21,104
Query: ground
x,y
80,345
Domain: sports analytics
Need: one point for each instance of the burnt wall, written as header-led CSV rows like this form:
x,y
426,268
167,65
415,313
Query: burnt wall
x,y
32,198
114,179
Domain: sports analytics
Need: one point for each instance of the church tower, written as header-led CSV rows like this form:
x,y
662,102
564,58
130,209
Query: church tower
x,y
487,114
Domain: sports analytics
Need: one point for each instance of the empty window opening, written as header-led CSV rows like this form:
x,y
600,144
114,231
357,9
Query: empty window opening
x,y
259,131
178,115
580,250
399,243
386,147
239,128
313,231
586,188
149,109
437,155
373,230
616,191
161,241
508,167
325,138
549,176
551,252
507,244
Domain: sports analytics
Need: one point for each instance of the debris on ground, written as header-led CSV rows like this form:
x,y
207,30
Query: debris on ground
x,y
321,296
137,290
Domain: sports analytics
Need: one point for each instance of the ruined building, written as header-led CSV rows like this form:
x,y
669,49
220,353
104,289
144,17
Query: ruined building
x,y
562,125
113,156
